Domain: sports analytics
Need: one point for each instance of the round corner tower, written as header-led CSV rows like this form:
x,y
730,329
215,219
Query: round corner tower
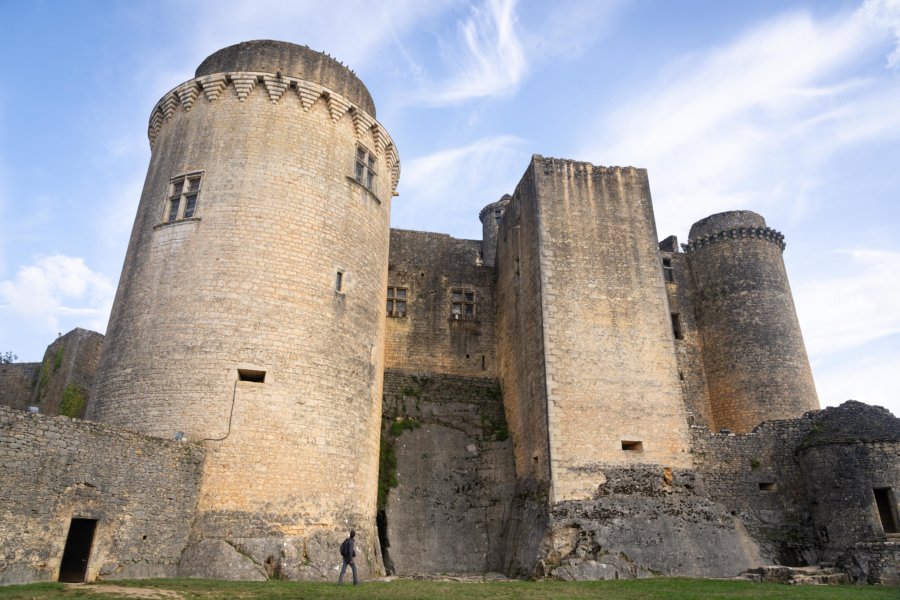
x,y
490,217
756,364
249,315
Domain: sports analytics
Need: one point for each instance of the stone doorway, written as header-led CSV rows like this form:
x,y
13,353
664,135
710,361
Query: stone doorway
x,y
75,557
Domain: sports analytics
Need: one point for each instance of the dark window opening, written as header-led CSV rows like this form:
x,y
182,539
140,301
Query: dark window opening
x,y
676,326
77,552
885,503
668,270
396,301
462,303
184,191
364,173
767,486
483,367
339,282
631,446
251,375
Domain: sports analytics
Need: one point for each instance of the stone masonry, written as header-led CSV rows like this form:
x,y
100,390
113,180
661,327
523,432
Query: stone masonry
x,y
567,397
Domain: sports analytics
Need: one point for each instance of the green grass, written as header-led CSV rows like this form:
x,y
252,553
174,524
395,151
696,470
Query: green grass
x,y
642,589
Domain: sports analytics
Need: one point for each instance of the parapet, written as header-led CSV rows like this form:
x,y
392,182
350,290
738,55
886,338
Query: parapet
x,y
290,60
733,224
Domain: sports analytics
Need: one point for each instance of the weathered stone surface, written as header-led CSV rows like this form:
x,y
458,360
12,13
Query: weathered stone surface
x,y
217,559
455,474
142,492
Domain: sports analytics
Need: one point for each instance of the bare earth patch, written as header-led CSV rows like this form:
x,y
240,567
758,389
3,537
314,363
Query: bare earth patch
x,y
130,592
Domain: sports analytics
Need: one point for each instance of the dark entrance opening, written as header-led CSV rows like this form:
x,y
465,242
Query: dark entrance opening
x,y
381,523
885,509
78,550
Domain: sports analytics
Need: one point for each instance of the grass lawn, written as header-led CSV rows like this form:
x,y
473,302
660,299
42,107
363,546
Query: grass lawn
x,y
643,589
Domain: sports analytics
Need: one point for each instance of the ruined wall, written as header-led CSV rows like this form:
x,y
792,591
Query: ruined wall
x,y
248,284
17,384
612,375
454,472
757,477
643,521
428,337
851,451
755,361
66,375
142,491
688,352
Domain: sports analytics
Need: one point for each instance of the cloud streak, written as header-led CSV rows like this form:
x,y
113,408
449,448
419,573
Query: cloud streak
x,y
450,186
488,59
56,292
776,100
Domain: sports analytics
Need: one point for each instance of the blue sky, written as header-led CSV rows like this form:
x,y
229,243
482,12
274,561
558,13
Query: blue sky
x,y
791,109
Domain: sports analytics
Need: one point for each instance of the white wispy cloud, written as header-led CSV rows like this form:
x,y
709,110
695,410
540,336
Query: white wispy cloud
x,y
487,58
777,100
862,283
865,376
351,30
886,15
444,191
56,292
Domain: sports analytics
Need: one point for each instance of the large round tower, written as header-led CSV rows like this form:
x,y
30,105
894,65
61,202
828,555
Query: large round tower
x,y
250,310
756,364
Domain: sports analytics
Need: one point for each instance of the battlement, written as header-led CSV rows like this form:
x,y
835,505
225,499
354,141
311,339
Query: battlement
x,y
551,164
213,88
763,233
292,60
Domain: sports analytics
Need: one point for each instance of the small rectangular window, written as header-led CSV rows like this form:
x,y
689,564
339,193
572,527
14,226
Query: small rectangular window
x,y
768,486
885,504
396,301
190,205
676,326
668,270
185,191
632,446
173,208
339,281
364,171
251,375
462,303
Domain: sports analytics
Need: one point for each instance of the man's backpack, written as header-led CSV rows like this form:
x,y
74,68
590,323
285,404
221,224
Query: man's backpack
x,y
345,548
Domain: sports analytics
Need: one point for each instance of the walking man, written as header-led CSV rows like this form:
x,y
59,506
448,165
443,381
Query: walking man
x,y
348,553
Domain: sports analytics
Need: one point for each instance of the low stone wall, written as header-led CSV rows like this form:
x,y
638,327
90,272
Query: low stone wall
x,y
141,491
454,473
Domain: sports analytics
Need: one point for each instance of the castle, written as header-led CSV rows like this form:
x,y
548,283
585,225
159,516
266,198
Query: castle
x,y
567,397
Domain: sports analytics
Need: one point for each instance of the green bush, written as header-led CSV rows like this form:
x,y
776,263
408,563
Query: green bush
x,y
74,401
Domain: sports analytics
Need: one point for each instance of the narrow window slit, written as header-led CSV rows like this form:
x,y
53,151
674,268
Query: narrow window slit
x,y
251,375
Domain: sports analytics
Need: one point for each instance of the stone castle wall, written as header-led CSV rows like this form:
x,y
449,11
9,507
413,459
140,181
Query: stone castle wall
x,y
520,334
688,349
455,474
747,321
428,338
142,492
612,377
248,285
